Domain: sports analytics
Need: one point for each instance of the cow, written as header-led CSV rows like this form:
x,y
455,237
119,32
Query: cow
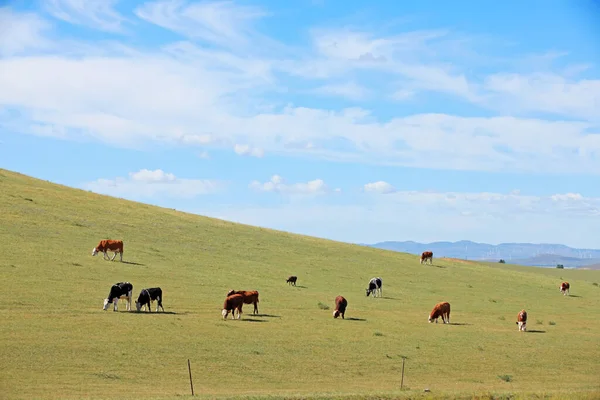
x,y
440,310
147,296
522,320
250,297
427,255
116,246
292,280
340,307
232,303
374,287
120,290
564,288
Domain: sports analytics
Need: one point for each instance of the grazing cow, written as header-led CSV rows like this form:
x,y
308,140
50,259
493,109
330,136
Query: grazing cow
x,y
116,246
292,280
250,297
340,307
120,290
427,255
147,296
440,310
374,287
522,320
564,288
232,303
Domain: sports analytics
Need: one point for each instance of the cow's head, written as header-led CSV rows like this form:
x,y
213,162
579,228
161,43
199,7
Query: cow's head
x,y
336,313
368,292
230,292
94,251
224,313
106,302
138,306
430,319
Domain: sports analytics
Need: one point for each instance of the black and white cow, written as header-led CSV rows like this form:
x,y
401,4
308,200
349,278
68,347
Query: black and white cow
x,y
374,287
120,290
147,296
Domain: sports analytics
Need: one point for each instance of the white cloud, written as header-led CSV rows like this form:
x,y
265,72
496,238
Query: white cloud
x,y
379,187
128,97
246,150
145,184
98,14
20,32
278,185
148,176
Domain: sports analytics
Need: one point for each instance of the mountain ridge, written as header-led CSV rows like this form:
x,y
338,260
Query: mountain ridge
x,y
531,254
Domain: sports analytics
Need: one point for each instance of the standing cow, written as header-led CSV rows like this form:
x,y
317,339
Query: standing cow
x,y
120,290
427,255
522,320
564,288
116,246
440,310
250,297
147,296
292,280
340,307
375,287
232,303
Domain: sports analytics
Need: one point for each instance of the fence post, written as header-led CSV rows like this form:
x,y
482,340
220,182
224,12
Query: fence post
x,y
190,371
402,381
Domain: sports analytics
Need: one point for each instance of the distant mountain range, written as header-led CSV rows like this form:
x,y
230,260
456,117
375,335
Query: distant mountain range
x,y
539,255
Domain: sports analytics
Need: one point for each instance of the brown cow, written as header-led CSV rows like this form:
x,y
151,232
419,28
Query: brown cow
x,y
340,307
440,310
427,255
292,280
564,288
115,246
250,297
522,320
232,303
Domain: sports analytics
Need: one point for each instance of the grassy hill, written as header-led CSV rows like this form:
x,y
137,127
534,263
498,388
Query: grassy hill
x,y
56,342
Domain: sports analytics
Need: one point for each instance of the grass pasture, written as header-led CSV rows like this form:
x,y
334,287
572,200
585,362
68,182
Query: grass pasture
x,y
56,342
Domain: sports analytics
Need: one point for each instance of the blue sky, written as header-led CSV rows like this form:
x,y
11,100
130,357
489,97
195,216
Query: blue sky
x,y
354,121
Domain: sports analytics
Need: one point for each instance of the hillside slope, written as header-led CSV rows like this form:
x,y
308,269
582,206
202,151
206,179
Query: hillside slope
x,y
56,342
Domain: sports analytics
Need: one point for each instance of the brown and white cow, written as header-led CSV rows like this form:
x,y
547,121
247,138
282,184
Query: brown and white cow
x,y
427,255
250,297
232,303
115,246
522,320
564,288
292,280
340,307
440,310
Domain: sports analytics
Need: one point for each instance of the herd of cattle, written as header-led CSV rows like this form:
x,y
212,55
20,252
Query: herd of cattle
x,y
235,300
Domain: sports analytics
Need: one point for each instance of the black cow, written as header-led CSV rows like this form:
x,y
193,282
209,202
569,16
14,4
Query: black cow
x,y
292,280
374,287
120,290
147,296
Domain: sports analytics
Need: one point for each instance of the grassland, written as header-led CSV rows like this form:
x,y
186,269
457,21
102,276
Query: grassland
x,y
56,342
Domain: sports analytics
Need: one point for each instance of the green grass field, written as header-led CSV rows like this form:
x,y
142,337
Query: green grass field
x,y
56,342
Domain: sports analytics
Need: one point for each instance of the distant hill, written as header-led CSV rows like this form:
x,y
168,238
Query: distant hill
x,y
539,255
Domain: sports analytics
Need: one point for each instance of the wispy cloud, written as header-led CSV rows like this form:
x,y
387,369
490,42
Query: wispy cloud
x,y
349,90
246,150
145,184
379,187
97,14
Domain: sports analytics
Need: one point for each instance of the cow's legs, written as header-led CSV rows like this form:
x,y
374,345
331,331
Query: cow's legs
x,y
115,301
121,254
255,308
114,256
105,255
